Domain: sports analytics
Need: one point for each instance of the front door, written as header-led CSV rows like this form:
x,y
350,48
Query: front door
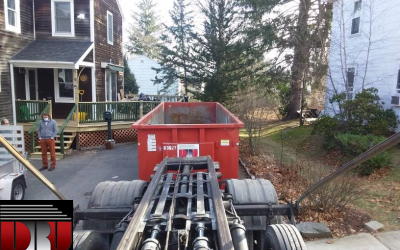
x,y
31,84
111,86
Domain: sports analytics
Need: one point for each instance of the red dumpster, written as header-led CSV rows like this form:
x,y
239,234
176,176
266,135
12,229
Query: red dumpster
x,y
182,129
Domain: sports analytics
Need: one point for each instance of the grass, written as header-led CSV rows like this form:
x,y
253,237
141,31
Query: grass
x,y
380,197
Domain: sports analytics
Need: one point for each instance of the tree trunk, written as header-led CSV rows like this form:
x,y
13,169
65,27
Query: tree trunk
x,y
300,59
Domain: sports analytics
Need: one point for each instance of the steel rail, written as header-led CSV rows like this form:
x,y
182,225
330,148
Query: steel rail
x,y
31,168
383,146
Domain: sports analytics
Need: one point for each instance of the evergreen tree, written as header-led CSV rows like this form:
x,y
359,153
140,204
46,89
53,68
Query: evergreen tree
x,y
143,34
129,80
231,47
176,49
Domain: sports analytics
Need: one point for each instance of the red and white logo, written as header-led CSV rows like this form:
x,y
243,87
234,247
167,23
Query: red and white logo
x,y
31,225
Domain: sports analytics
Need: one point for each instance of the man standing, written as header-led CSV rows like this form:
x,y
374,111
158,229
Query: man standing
x,y
47,133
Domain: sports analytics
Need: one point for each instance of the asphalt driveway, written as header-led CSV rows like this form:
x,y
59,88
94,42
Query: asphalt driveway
x,y
77,175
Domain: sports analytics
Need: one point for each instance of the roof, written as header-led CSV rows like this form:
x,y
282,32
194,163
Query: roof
x,y
53,52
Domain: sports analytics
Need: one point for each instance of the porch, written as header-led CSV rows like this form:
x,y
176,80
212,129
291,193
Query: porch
x,y
90,130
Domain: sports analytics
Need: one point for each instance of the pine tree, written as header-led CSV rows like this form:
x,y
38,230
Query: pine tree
x,y
129,79
231,47
144,33
176,49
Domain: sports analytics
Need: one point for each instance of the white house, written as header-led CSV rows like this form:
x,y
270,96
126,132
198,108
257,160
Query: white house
x,y
142,68
365,50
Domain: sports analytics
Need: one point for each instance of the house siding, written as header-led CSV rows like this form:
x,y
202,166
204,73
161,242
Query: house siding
x,y
43,20
142,68
10,44
105,52
380,70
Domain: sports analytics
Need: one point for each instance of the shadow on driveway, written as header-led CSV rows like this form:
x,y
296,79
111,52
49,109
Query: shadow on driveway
x,y
77,175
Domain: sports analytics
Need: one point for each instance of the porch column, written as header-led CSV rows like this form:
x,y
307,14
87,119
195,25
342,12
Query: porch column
x,y
76,85
13,94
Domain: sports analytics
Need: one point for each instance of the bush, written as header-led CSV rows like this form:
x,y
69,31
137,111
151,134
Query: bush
x,y
354,145
365,114
328,127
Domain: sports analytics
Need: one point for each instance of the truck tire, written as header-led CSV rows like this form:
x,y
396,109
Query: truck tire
x,y
253,191
88,240
18,190
110,194
284,237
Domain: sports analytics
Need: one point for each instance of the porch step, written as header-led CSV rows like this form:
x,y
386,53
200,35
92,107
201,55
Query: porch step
x,y
68,141
56,147
66,136
38,155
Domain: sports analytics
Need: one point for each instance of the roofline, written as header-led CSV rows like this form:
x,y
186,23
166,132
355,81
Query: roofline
x,y
120,10
42,64
84,56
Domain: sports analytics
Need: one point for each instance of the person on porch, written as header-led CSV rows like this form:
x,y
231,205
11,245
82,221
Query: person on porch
x,y
47,134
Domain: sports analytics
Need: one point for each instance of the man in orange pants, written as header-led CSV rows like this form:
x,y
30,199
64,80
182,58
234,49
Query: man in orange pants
x,y
47,134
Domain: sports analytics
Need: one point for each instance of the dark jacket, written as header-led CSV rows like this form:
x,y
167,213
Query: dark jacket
x,y
47,131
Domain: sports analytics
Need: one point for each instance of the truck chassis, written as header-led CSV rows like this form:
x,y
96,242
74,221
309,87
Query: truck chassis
x,y
184,207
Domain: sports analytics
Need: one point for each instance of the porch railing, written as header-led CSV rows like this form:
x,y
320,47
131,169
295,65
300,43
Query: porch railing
x,y
29,111
92,112
61,131
36,124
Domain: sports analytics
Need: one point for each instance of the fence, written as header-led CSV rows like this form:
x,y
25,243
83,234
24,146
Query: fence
x,y
92,112
29,111
15,136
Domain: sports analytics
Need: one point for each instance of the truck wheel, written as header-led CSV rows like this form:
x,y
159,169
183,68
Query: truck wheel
x,y
17,190
284,237
252,192
88,240
110,194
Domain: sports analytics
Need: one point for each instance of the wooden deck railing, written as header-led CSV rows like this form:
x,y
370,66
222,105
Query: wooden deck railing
x,y
61,131
92,112
29,111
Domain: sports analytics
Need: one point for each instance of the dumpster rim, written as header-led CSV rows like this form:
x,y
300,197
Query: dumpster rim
x,y
138,124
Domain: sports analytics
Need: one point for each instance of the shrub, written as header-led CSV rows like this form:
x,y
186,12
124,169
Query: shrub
x,y
354,145
366,115
328,127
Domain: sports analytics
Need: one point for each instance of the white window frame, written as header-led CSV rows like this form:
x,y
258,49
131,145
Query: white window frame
x,y
27,87
350,91
108,34
355,15
53,19
397,81
17,27
107,92
57,90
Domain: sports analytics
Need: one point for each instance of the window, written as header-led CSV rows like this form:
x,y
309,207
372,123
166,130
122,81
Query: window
x,y
355,23
398,82
64,85
351,74
62,12
110,28
357,6
12,15
111,86
355,26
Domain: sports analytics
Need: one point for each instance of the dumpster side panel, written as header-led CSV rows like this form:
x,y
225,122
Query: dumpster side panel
x,y
220,144
226,150
148,159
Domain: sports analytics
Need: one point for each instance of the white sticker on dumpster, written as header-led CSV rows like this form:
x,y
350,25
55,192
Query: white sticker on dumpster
x,y
151,143
224,142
